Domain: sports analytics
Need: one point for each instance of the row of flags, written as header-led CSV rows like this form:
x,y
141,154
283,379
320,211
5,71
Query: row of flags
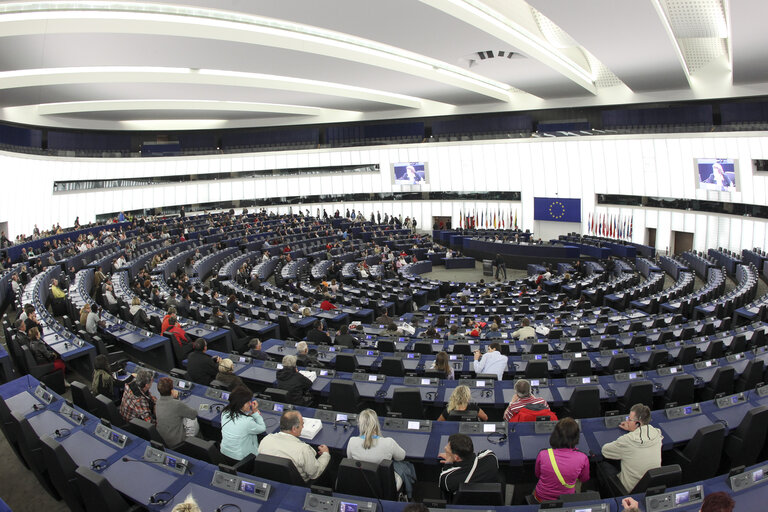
x,y
488,219
611,225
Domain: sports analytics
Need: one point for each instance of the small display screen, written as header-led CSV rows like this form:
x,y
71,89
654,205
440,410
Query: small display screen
x,y
243,360
538,356
323,373
632,375
489,427
411,356
331,349
47,397
453,357
688,410
534,382
673,370
414,425
183,384
341,417
225,396
708,364
278,407
115,437
577,354
480,383
170,462
586,380
372,378
735,399
347,507
757,475
682,497
369,352
246,486
424,382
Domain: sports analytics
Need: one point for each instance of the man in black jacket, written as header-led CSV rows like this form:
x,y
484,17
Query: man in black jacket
x,y
297,385
344,339
240,339
201,368
256,351
317,336
463,466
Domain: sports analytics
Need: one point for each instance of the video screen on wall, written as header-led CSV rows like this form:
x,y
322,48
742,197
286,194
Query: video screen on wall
x,y
717,174
410,173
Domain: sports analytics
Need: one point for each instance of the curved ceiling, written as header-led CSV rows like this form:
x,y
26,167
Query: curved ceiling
x,y
123,65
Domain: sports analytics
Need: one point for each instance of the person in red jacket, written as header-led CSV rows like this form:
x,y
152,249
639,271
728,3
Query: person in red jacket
x,y
522,397
326,305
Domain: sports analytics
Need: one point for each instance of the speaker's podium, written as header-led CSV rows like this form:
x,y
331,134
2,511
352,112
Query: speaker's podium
x,y
487,267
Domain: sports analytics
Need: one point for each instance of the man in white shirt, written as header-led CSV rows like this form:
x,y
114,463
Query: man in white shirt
x,y
286,444
493,361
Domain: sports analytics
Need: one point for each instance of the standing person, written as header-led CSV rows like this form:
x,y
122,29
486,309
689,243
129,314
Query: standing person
x,y
241,424
560,467
493,361
501,266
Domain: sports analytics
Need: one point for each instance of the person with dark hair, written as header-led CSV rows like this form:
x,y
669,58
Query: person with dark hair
x,y
102,382
286,444
202,368
493,361
42,353
241,424
524,332
256,351
93,321
443,364
717,502
171,413
463,466
137,401
317,336
501,266
297,385
638,450
217,317
560,467
240,338
344,339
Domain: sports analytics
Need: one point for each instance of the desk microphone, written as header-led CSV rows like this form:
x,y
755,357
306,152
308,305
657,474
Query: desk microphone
x,y
343,423
186,468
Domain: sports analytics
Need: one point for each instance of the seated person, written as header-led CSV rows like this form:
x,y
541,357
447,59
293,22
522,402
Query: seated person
x,y
317,336
240,338
172,414
522,398
460,401
175,329
137,401
241,424
165,324
303,358
370,446
139,317
227,375
256,351
202,368
463,466
217,317
344,339
524,332
493,361
310,463
297,385
443,364
559,467
103,383
93,320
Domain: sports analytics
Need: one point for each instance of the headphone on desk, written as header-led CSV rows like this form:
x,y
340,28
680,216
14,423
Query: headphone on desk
x,y
486,393
225,506
381,394
99,464
431,395
497,438
61,432
160,498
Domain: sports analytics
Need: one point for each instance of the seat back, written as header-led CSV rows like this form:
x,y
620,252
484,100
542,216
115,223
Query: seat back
x,y
555,334
346,363
10,429
738,344
539,348
199,449
61,470
278,469
702,453
385,345
680,390
489,494
656,359
392,367
109,411
573,346
144,430
581,367
722,381
668,476
82,397
744,445
619,363
367,479
537,370
638,392
751,376
285,326
422,347
407,401
686,355
97,493
344,396
585,402
714,350
278,395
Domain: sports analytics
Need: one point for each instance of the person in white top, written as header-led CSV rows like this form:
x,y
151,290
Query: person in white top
x,y
524,332
493,361
370,446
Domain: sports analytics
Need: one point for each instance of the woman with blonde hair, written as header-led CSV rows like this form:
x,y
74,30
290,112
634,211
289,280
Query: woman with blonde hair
x,y
460,401
370,446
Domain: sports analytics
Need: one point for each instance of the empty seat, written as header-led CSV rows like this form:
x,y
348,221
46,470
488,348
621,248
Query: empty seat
x,y
721,383
392,367
367,479
686,355
680,390
751,376
537,370
619,363
581,367
98,494
700,459
638,392
344,396
61,469
407,402
745,443
346,363
656,359
584,402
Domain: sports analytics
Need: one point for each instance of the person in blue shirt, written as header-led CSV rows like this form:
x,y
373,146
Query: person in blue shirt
x,y
493,361
241,424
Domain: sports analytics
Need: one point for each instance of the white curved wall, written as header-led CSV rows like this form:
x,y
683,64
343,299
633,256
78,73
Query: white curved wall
x,y
660,166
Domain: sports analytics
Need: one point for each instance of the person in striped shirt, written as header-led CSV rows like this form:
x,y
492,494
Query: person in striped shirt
x,y
522,397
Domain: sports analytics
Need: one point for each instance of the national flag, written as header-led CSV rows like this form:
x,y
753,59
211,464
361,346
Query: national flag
x,y
515,219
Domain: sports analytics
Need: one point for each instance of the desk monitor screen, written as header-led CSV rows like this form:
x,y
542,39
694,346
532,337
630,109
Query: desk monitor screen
x,y
409,173
277,407
246,486
489,427
323,373
369,353
480,383
717,174
372,378
682,497
535,382
424,382
347,507
170,462
115,437
341,417
586,380
225,396
410,356
331,349
735,399
758,475
708,364
414,425
673,370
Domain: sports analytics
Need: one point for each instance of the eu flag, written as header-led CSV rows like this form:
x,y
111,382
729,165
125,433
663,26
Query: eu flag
x,y
557,209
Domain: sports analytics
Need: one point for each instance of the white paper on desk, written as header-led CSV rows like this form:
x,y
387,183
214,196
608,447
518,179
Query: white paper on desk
x,y
542,329
308,374
311,427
